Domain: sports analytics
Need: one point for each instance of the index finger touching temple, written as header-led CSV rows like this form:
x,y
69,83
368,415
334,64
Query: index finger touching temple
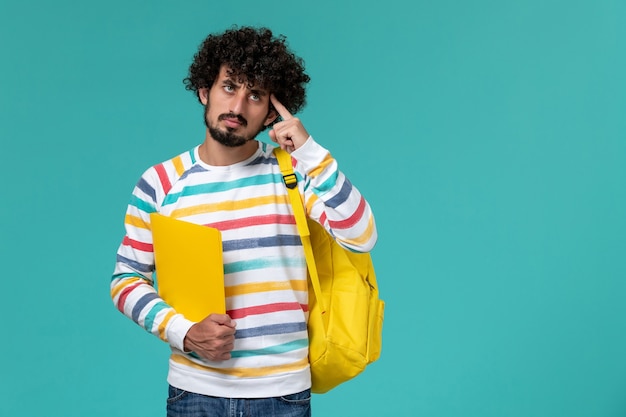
x,y
282,110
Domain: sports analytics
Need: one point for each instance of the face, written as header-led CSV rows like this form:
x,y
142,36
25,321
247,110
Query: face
x,y
235,112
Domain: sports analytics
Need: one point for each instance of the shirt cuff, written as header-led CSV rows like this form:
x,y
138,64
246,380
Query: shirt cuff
x,y
177,330
309,156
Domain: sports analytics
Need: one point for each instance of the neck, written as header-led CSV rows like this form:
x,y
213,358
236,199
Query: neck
x,y
214,153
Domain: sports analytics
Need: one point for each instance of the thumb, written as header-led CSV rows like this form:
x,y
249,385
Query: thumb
x,y
272,135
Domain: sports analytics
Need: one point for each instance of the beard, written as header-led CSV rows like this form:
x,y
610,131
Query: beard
x,y
228,137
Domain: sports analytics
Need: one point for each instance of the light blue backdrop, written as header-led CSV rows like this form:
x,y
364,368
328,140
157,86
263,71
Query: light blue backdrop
x,y
489,137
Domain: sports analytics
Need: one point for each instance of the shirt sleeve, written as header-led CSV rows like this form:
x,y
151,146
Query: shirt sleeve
x,y
332,200
132,285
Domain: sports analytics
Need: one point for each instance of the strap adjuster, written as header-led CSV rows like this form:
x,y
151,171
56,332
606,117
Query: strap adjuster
x,y
290,181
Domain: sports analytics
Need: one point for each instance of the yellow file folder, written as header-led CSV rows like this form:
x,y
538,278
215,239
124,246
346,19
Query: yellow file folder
x,y
189,266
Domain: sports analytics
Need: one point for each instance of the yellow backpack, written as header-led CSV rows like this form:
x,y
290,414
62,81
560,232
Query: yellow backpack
x,y
345,313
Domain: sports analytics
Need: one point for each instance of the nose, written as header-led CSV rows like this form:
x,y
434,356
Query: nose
x,y
238,102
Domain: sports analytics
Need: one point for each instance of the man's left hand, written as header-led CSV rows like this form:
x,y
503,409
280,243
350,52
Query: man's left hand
x,y
289,133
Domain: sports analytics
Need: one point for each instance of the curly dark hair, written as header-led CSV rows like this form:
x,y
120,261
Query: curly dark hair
x,y
254,55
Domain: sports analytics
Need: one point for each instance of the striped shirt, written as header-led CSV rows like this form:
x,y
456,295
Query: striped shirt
x,y
264,266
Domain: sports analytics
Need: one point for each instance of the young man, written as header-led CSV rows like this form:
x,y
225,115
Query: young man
x,y
253,359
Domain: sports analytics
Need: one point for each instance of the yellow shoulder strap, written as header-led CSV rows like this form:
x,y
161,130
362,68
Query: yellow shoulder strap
x,y
291,182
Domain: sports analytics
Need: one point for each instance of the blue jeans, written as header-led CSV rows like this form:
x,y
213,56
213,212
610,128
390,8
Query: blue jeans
x,y
187,404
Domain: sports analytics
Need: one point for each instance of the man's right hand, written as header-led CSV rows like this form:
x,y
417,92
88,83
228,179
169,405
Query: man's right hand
x,y
213,338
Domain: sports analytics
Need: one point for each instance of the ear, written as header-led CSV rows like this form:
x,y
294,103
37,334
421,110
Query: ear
x,y
271,116
203,95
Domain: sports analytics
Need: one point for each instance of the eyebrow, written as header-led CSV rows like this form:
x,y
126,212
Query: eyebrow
x,y
257,91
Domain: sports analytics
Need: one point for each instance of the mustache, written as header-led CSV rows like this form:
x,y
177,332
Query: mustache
x,y
239,118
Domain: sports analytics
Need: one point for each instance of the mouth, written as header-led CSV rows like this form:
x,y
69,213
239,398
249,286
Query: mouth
x,y
232,121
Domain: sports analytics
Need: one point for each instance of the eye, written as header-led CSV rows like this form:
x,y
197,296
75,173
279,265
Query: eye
x,y
229,88
255,97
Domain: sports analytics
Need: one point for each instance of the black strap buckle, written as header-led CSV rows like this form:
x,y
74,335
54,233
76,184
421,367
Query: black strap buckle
x,y
290,181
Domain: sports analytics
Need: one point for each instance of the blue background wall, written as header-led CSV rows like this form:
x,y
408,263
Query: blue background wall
x,y
489,137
